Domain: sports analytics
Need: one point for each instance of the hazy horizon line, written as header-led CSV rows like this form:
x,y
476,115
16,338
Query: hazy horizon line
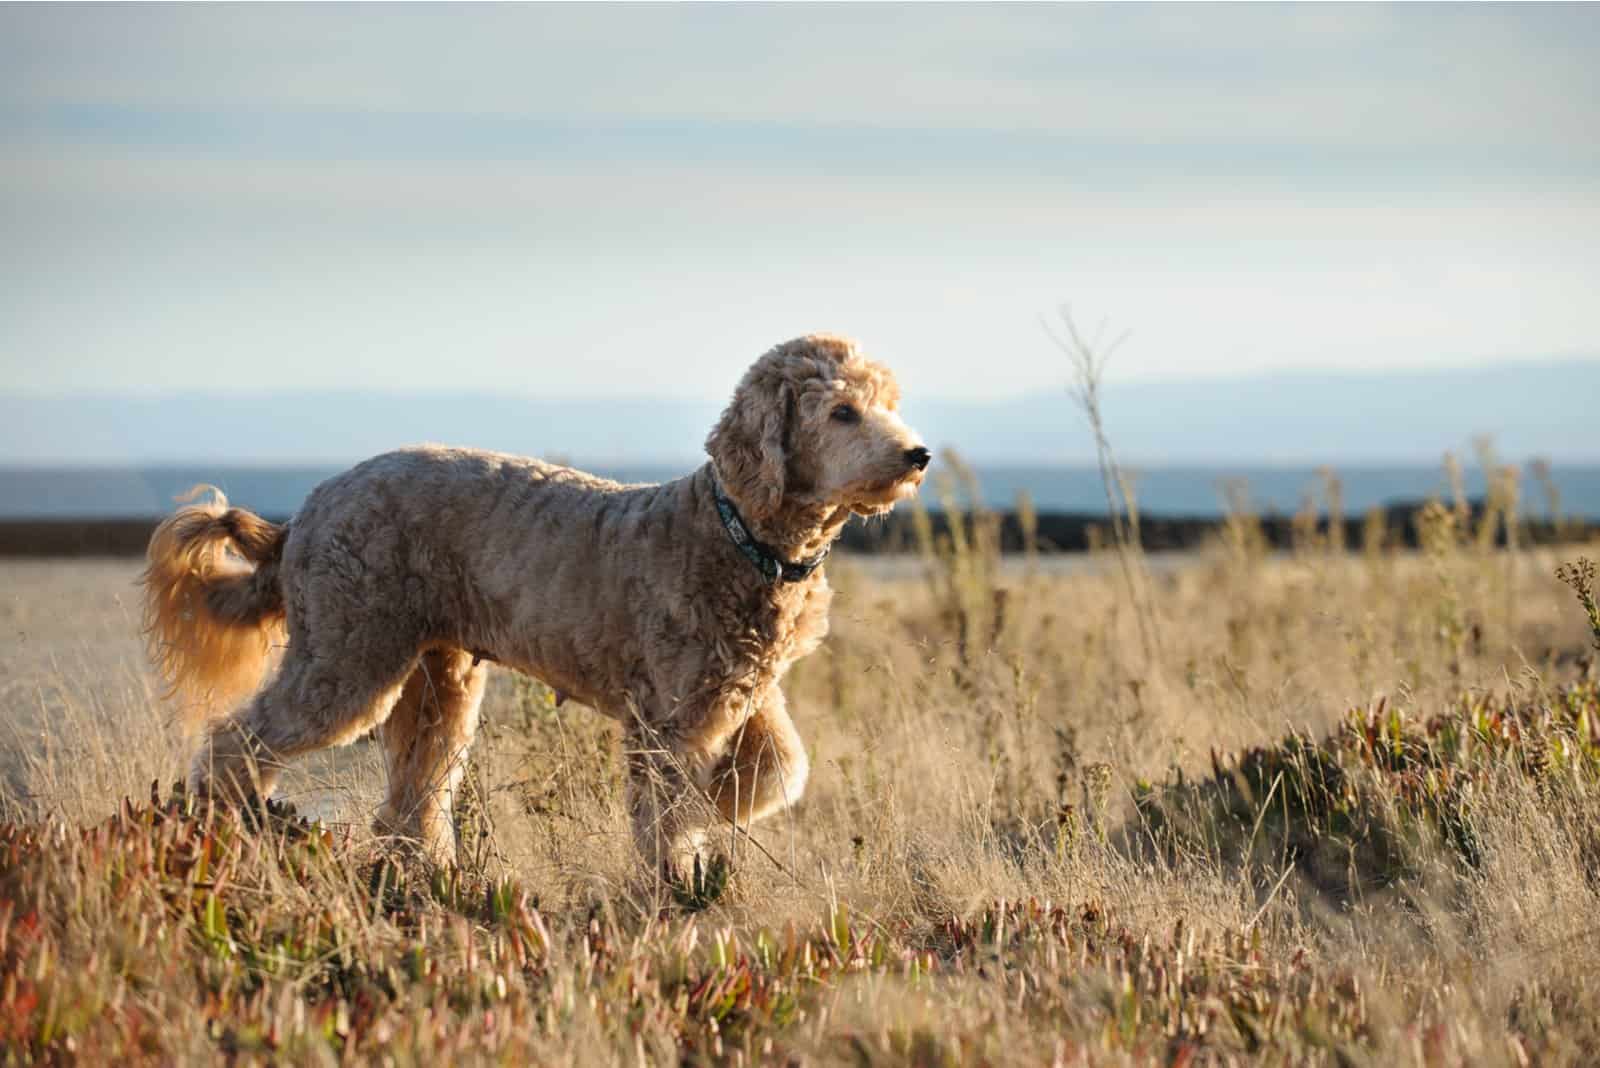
x,y
1543,362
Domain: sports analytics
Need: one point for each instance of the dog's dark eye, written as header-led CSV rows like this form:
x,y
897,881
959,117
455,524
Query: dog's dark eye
x,y
845,414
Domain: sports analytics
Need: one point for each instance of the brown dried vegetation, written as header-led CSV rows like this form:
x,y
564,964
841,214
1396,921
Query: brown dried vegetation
x,y
1345,814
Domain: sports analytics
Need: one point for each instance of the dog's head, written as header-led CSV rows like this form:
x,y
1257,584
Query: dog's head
x,y
814,425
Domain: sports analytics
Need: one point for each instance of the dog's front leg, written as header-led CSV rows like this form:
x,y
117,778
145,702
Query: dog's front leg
x,y
763,768
665,806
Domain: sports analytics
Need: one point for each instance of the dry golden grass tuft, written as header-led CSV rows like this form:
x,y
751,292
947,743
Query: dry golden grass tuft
x,y
1324,807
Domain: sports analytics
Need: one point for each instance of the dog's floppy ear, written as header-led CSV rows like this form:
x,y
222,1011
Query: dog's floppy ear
x,y
749,445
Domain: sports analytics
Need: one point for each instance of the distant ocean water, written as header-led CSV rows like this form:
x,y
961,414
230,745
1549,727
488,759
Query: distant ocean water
x,y
105,492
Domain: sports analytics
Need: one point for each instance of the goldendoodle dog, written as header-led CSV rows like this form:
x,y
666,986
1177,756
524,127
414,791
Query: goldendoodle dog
x,y
675,608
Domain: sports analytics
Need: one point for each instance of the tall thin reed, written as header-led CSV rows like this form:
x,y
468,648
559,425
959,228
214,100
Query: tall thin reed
x,y
1087,358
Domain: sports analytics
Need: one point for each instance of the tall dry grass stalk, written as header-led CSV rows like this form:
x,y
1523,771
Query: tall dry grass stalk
x,y
1087,358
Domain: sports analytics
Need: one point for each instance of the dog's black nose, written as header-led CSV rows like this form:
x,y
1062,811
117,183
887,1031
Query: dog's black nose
x,y
918,457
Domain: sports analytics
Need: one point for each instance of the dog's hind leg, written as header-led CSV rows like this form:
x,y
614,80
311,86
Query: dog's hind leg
x,y
766,767
425,742
313,702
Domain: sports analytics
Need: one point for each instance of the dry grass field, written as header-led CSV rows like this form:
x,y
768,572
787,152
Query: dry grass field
x,y
1326,807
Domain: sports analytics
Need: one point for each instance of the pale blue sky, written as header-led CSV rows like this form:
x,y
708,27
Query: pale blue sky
x,y
587,200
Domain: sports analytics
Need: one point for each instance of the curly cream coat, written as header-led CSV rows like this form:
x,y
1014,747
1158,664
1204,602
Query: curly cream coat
x,y
400,576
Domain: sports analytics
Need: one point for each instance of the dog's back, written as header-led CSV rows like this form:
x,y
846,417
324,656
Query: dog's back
x,y
468,545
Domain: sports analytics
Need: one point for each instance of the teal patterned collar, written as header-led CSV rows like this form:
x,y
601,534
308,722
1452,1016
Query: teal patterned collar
x,y
774,568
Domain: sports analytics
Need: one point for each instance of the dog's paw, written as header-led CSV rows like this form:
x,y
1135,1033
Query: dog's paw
x,y
702,883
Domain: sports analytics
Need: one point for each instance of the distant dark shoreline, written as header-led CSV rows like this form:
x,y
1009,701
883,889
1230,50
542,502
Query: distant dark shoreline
x,y
1055,532
1198,493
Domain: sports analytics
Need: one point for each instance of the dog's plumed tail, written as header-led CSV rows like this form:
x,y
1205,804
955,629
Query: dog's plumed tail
x,y
213,609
